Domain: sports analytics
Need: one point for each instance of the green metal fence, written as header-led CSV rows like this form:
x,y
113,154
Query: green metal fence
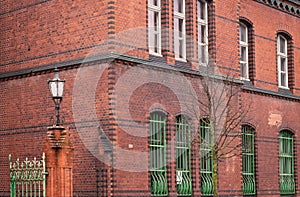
x,y
249,185
28,177
206,162
286,163
183,162
158,170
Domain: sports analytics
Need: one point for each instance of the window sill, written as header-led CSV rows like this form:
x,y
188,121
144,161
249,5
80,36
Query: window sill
x,y
180,59
284,90
244,79
155,54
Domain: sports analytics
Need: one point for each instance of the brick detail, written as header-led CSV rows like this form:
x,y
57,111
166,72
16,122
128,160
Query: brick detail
x,y
59,162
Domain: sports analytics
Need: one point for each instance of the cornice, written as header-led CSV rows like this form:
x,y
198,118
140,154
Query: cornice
x,y
283,6
110,57
279,94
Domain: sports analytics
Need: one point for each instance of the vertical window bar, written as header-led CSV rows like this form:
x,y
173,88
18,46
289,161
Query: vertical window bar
x,y
286,163
183,170
248,161
158,171
207,187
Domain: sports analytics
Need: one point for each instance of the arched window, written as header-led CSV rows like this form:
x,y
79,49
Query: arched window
x,y
246,42
282,61
248,160
202,20
158,170
183,157
244,51
154,26
179,29
286,162
206,161
285,61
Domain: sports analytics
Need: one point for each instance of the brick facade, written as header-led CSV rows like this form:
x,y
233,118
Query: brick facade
x,y
113,83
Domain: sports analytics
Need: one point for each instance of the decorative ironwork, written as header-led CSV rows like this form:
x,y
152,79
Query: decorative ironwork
x,y
249,186
28,178
183,161
158,171
206,163
286,163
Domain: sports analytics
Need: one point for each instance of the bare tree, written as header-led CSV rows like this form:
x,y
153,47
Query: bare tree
x,y
222,112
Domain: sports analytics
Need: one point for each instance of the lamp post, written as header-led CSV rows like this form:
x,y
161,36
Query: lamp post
x,y
56,87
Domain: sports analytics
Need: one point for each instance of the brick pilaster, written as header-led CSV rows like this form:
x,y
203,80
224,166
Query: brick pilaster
x,y
59,162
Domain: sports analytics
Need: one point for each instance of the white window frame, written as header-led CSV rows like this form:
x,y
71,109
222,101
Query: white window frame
x,y
283,55
179,36
202,22
244,64
154,31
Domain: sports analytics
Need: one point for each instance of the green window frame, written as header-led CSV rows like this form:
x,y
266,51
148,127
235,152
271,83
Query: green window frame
x,y
183,157
286,162
206,162
248,160
158,170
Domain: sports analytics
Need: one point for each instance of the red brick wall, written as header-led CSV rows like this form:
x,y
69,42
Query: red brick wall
x,y
266,26
39,33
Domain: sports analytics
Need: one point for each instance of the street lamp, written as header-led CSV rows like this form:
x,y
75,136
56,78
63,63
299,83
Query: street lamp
x,y
56,87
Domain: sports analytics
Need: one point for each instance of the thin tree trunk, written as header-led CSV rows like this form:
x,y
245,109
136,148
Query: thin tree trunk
x,y
215,173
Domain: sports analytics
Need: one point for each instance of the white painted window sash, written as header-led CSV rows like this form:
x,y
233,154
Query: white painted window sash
x,y
154,32
179,37
244,63
282,69
202,22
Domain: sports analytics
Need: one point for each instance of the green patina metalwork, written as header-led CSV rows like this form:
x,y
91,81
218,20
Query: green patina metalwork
x,y
158,171
28,178
206,162
286,163
183,162
248,165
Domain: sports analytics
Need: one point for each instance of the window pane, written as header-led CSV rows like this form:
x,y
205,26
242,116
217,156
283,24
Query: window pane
x,y
244,70
202,53
181,48
156,20
180,25
178,6
154,2
243,33
282,43
156,41
282,64
283,78
151,29
243,54
179,42
176,35
203,34
201,10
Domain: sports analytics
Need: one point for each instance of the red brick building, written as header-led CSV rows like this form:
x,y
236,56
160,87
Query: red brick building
x,y
134,74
